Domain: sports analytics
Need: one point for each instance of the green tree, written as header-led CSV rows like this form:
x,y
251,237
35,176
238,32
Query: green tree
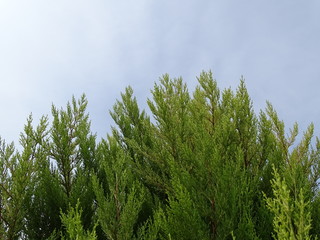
x,y
65,158
16,181
292,218
119,196
203,165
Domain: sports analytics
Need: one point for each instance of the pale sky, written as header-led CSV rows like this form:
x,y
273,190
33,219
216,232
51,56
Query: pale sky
x,y
53,49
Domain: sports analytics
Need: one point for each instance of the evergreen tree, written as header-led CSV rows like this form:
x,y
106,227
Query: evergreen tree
x,y
202,166
16,181
120,196
64,160
292,218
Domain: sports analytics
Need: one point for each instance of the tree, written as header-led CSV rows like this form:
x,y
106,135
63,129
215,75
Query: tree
x,y
17,180
204,165
292,218
120,199
64,161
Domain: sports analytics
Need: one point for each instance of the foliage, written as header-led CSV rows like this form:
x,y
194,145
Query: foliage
x,y
72,223
204,165
117,211
292,219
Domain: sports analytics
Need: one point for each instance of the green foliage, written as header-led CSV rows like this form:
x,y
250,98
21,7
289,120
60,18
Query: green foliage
x,y
139,138
119,209
11,199
17,180
41,204
203,166
74,229
292,218
181,219
69,131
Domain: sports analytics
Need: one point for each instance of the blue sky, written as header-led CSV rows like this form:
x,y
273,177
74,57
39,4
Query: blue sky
x,y
51,50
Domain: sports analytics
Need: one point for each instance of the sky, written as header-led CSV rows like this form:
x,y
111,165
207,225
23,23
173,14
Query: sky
x,y
54,49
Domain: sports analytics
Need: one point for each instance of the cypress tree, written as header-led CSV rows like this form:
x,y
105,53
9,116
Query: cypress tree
x,y
202,166
119,197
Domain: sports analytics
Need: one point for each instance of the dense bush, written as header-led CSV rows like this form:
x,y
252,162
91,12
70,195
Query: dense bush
x,y
203,166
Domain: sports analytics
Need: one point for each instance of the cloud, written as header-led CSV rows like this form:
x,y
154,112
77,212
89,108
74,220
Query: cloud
x,y
51,50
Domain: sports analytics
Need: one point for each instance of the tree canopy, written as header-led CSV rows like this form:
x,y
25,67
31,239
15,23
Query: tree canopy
x,y
203,165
